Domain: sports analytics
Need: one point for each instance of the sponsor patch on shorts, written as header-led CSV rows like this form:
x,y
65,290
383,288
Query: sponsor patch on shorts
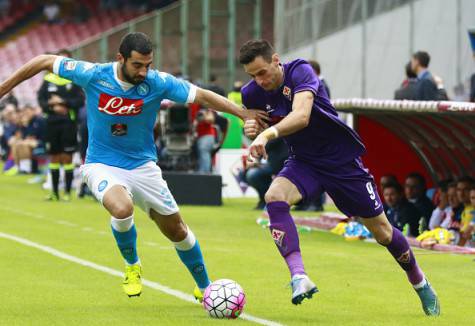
x,y
102,185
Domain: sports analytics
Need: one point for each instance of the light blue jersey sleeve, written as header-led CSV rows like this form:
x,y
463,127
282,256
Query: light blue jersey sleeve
x,y
79,72
176,90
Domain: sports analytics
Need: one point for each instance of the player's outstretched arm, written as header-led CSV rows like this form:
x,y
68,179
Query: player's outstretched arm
x,y
28,70
219,103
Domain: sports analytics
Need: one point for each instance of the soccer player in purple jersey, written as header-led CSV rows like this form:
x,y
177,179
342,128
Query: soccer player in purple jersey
x,y
324,153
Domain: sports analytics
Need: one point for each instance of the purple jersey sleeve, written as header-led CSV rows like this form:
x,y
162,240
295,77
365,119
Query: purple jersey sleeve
x,y
305,79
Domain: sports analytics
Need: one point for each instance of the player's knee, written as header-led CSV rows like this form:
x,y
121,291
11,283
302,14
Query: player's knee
x,y
274,195
181,232
122,210
178,232
384,235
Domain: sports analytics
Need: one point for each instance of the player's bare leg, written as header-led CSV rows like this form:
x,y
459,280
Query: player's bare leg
x,y
119,204
187,248
397,245
281,194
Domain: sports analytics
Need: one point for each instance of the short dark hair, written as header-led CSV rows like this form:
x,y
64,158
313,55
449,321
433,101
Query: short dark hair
x,y
423,57
136,41
453,184
467,179
394,185
255,48
418,177
409,72
444,184
315,65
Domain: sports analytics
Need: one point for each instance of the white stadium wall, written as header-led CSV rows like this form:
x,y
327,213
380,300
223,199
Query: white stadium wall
x,y
388,48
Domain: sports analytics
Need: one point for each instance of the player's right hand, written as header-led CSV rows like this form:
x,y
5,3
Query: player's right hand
x,y
252,128
261,117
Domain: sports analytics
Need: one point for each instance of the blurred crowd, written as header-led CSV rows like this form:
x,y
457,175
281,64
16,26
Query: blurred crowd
x,y
444,214
70,11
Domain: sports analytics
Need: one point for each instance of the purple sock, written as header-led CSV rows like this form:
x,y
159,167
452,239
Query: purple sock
x,y
285,235
399,248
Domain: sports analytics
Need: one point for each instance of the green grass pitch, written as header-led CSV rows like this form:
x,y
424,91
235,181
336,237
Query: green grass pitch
x,y
359,282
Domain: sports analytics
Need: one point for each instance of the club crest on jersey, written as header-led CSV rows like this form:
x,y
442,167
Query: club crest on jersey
x,y
287,93
70,65
143,89
114,105
278,236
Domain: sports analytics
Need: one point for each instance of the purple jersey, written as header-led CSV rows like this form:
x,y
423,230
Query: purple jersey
x,y
326,141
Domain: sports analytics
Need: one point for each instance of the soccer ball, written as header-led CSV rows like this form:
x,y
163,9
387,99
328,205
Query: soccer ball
x,y
224,299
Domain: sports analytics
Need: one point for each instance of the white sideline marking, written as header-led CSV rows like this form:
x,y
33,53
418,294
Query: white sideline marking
x,y
154,285
66,223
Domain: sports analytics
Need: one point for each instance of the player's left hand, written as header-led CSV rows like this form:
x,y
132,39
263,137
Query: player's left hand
x,y
257,149
260,116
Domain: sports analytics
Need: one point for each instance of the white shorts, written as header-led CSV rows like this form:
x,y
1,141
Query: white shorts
x,y
144,184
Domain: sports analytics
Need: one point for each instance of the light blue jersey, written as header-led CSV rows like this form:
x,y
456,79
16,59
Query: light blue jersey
x,y
121,116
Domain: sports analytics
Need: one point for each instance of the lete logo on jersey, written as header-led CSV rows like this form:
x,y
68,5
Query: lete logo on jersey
x,y
119,106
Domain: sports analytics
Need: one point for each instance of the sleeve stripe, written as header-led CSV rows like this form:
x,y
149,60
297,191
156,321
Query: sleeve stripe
x,y
191,94
56,64
306,89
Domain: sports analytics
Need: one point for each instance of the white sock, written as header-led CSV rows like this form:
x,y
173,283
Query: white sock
x,y
187,243
421,284
122,224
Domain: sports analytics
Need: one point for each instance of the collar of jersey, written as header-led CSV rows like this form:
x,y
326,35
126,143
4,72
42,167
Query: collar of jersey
x,y
124,85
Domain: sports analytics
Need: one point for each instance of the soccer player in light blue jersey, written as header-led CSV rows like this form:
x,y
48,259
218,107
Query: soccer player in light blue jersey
x,y
122,100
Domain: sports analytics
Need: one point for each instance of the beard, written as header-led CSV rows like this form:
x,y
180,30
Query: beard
x,y
128,78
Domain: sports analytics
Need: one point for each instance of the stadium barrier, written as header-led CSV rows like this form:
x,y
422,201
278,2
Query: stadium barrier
x,y
436,139
195,188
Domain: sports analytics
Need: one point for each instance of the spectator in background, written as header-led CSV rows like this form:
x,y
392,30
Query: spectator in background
x,y
9,99
427,88
469,228
387,179
10,119
448,201
28,136
402,214
464,185
205,139
60,99
316,67
415,191
408,89
259,174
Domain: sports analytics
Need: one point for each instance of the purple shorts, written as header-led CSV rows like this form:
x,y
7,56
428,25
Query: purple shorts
x,y
350,185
